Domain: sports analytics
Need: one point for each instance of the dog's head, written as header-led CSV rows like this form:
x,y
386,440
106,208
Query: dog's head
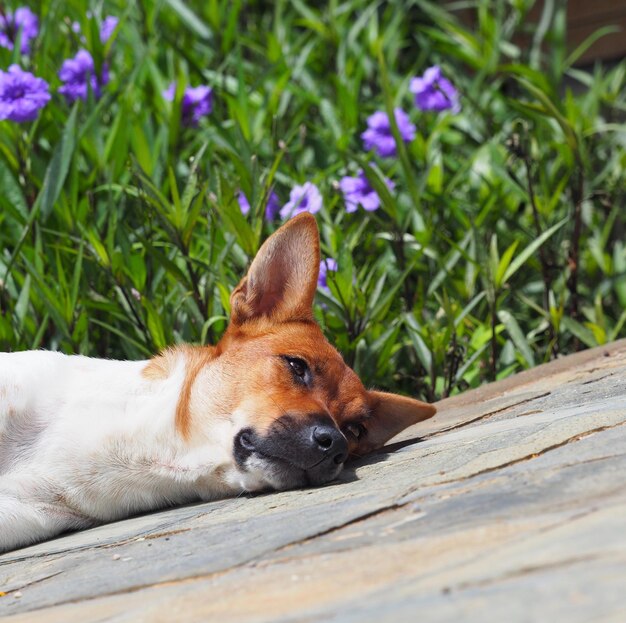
x,y
300,411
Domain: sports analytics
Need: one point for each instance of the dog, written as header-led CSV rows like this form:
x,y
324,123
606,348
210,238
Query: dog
x,y
272,406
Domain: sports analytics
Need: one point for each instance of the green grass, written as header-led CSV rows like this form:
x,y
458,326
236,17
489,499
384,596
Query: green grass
x,y
500,247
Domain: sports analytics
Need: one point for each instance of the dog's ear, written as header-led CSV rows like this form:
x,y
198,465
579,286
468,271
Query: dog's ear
x,y
282,279
391,414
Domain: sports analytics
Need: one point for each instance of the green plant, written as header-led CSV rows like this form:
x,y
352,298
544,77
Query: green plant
x,y
499,247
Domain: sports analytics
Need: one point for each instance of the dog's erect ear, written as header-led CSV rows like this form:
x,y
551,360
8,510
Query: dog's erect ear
x,y
391,414
282,279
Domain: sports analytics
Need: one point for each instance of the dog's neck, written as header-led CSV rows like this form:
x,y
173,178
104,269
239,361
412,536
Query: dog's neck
x,y
181,385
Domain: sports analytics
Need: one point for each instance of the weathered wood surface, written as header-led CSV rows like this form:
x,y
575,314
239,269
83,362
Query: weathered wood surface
x,y
509,505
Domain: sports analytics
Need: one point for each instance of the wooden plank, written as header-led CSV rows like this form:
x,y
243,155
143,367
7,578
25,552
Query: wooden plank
x,y
583,19
611,46
606,10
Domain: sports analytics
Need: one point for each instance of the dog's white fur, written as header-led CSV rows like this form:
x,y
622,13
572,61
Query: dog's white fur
x,y
85,441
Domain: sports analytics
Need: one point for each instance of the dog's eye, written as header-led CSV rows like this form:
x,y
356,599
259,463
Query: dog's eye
x,y
298,366
356,430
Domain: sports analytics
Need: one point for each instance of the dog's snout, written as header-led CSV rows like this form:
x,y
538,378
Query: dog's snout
x,y
304,450
331,442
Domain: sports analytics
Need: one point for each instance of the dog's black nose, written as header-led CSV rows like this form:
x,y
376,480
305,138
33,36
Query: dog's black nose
x,y
311,448
331,442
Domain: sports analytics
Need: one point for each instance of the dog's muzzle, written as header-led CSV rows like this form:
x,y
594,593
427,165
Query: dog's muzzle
x,y
294,454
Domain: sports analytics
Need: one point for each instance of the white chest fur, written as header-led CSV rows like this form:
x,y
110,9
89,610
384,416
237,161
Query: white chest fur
x,y
84,441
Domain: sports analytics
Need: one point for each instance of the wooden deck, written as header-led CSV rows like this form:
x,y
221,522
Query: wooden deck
x,y
510,505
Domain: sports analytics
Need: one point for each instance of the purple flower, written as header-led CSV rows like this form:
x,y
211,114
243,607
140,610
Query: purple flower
x,y
305,198
357,191
197,102
378,135
108,26
244,204
79,72
329,264
271,209
10,24
434,92
22,95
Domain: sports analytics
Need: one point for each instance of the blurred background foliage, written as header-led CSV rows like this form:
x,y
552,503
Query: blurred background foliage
x,y
501,246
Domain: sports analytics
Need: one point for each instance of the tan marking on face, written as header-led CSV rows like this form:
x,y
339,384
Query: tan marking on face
x,y
268,389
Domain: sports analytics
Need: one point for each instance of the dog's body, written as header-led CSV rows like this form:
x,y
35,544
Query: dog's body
x,y
272,406
96,442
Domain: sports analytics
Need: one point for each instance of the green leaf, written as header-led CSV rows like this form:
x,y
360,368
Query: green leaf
x,y
551,109
21,307
517,336
189,18
58,167
236,223
504,263
584,334
468,308
11,191
616,331
423,352
142,149
518,262
598,331
450,263
78,266
341,283
123,335
391,293
155,324
98,248
177,216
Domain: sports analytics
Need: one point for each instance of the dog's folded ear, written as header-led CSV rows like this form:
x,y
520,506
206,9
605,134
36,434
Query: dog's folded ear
x,y
391,414
282,279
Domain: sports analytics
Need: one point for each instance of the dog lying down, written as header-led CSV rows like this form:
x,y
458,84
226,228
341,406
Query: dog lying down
x,y
273,406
